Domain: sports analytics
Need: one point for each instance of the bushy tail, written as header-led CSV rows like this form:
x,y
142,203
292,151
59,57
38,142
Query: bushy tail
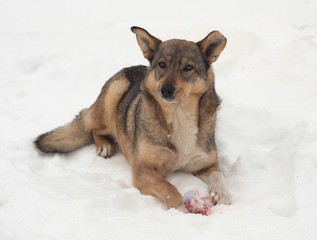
x,y
66,138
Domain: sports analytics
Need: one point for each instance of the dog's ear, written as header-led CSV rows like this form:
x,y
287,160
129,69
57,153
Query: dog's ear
x,y
146,41
212,45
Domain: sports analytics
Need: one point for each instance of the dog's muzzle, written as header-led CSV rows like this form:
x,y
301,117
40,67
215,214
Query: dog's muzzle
x,y
167,92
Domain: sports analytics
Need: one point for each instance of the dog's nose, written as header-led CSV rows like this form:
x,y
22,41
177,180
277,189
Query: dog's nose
x,y
167,91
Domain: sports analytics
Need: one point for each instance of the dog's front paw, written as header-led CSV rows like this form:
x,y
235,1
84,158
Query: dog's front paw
x,y
219,196
183,208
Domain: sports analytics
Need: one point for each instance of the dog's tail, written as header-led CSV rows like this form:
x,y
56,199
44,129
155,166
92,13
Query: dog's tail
x,y
66,138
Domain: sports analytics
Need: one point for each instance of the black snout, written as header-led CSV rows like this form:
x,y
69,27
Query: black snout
x,y
167,91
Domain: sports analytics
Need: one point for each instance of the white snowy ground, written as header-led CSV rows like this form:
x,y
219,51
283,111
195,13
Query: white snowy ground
x,y
56,55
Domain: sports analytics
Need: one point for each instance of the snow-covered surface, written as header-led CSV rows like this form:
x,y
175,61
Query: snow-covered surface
x,y
56,55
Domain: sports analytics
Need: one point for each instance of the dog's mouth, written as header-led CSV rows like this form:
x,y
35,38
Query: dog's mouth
x,y
166,99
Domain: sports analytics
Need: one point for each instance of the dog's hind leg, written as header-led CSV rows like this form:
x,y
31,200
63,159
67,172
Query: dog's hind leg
x,y
105,147
103,114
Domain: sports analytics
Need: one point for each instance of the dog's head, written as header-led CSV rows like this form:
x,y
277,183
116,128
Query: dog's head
x,y
180,68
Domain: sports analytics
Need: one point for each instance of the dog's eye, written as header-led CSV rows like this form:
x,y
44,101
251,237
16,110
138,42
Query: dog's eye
x,y
188,67
162,64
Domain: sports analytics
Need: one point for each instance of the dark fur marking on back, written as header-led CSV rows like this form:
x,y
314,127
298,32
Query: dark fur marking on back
x,y
135,75
136,122
128,108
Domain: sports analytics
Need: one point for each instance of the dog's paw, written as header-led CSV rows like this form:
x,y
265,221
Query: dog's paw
x,y
106,150
219,196
183,208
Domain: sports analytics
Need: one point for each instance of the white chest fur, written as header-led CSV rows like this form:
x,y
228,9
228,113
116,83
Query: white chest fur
x,y
184,137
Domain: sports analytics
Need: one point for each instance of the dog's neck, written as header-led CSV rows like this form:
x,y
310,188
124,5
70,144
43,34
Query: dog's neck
x,y
186,108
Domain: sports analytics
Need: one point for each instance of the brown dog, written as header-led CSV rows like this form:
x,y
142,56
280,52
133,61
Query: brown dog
x,y
162,117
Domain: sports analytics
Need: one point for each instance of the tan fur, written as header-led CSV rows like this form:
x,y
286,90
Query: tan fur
x,y
156,134
66,138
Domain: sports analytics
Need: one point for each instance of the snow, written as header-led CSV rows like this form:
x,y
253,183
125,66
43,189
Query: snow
x,y
55,57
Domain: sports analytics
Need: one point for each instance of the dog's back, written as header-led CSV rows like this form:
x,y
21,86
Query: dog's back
x,y
112,108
